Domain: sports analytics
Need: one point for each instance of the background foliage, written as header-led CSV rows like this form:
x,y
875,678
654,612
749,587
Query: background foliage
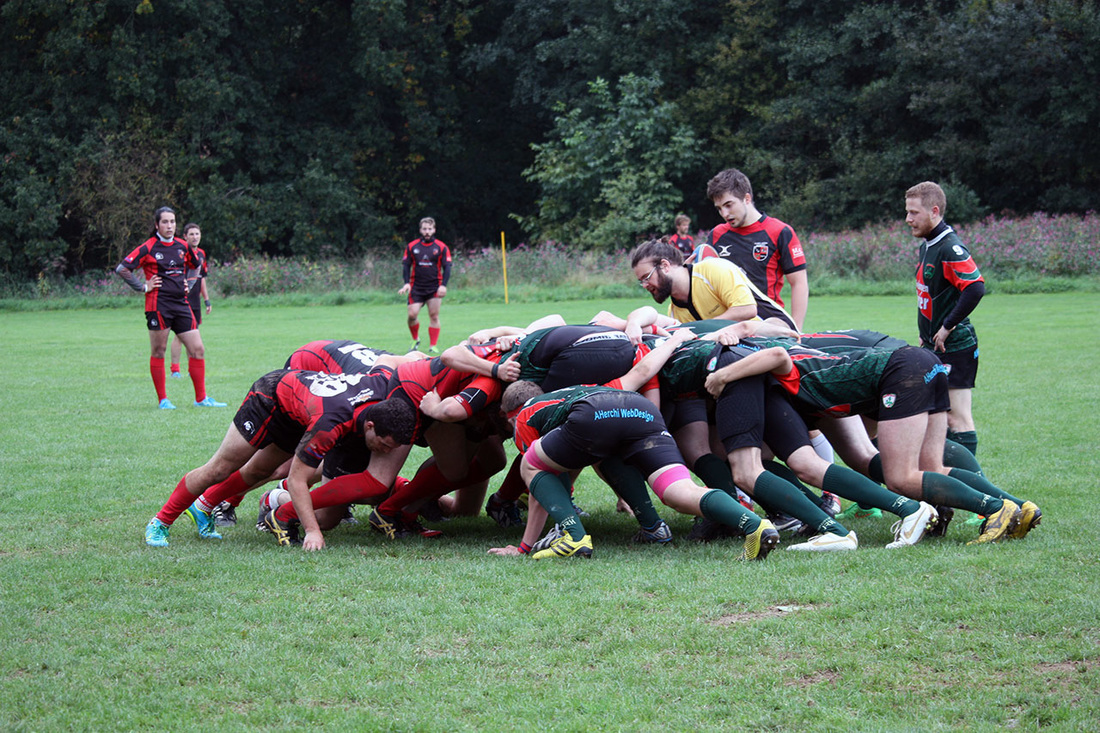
x,y
326,128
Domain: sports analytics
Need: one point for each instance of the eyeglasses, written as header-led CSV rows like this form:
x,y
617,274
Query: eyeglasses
x,y
643,280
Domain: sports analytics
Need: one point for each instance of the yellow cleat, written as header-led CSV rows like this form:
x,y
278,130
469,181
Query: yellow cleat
x,y
1000,524
566,546
761,542
1030,516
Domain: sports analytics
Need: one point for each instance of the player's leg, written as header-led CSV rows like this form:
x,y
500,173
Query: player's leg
x,y
233,453
196,367
433,324
158,342
413,316
543,476
176,351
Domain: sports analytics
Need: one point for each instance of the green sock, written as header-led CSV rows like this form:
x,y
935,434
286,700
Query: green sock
x,y
939,489
982,484
856,487
784,472
874,469
957,455
776,492
718,506
715,473
629,484
967,439
550,491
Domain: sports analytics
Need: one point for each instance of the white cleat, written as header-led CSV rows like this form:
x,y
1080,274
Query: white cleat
x,y
909,530
828,542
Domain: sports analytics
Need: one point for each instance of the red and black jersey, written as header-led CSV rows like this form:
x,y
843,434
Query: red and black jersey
x,y
426,263
686,243
199,271
326,405
418,378
334,357
766,250
169,260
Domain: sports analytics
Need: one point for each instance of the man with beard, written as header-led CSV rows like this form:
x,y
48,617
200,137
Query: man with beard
x,y
712,288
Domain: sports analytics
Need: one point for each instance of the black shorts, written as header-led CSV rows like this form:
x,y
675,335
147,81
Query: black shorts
x,y
621,424
260,420
171,314
962,367
194,299
596,361
349,455
422,294
785,431
913,382
739,412
680,413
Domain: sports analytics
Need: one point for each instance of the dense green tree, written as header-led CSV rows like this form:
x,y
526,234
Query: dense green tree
x,y
605,175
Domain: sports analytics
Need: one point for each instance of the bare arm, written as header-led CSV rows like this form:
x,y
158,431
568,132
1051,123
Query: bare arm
x,y
297,483
800,296
775,360
443,410
652,362
739,313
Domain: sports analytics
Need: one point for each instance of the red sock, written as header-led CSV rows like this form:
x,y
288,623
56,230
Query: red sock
x,y
428,481
414,329
180,499
235,501
197,369
232,486
156,370
512,487
352,488
433,335
175,368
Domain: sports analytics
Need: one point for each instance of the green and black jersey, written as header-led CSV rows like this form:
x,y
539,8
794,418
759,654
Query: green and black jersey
x,y
944,270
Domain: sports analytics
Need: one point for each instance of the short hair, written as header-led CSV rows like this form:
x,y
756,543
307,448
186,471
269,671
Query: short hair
x,y
679,218
656,250
189,226
517,394
393,417
730,180
427,220
930,194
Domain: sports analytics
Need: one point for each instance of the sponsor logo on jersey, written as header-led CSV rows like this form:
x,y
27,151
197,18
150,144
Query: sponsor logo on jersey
x,y
796,251
724,251
364,396
159,256
249,427
760,252
888,400
929,272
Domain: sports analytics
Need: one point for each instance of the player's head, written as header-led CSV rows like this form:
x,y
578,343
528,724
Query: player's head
x,y
516,395
682,222
427,228
925,205
164,222
386,425
652,262
731,193
192,233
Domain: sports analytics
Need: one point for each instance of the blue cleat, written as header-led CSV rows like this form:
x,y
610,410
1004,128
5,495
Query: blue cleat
x,y
166,405
209,401
203,523
175,375
156,533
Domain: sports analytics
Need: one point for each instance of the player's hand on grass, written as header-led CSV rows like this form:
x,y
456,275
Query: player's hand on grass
x,y
313,541
507,551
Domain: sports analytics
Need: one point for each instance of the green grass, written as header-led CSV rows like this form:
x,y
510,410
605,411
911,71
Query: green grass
x,y
98,632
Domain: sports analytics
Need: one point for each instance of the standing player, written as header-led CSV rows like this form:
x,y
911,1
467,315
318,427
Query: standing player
x,y
949,287
681,240
761,245
165,259
196,289
427,268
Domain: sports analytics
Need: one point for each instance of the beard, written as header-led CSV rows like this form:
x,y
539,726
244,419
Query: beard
x,y
664,287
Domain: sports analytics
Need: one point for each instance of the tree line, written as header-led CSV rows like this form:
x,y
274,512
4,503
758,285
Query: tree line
x,y
328,128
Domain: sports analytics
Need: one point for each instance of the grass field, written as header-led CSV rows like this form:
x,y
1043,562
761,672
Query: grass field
x,y
100,632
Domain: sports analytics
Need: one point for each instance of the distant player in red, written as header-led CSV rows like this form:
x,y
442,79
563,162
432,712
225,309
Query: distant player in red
x,y
165,259
427,268
196,289
761,245
681,240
